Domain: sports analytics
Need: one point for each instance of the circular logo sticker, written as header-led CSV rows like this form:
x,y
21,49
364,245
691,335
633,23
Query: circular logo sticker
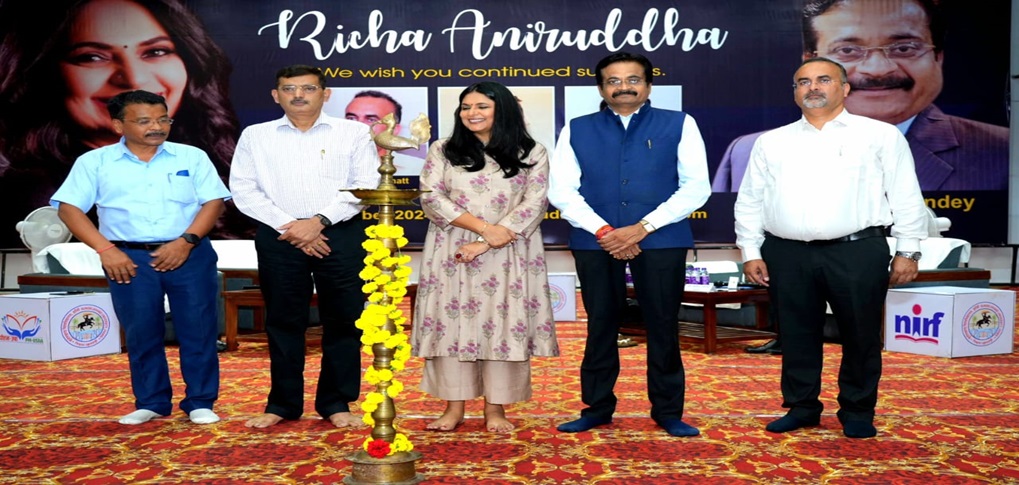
x,y
983,324
558,297
85,326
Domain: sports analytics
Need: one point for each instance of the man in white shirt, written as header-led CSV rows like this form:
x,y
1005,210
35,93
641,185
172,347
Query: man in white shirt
x,y
287,175
811,217
644,172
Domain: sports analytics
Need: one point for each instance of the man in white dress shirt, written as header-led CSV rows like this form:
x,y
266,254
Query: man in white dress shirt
x,y
287,175
811,217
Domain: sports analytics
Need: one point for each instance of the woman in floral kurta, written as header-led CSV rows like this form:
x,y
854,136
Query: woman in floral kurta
x,y
483,305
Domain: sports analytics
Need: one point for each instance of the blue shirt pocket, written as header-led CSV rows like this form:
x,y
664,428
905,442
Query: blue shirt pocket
x,y
182,188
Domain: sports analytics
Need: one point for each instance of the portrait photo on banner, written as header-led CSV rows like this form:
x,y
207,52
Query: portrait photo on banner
x,y
369,105
64,62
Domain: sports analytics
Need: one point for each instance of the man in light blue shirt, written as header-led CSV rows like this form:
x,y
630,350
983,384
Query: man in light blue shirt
x,y
156,201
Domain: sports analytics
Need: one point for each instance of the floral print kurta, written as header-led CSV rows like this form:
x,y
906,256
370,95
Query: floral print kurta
x,y
496,307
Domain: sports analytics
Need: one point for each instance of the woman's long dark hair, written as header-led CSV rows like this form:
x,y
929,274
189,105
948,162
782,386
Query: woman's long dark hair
x,y
509,142
36,128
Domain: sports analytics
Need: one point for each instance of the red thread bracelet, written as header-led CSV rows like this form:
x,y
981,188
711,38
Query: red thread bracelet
x,y
601,232
111,246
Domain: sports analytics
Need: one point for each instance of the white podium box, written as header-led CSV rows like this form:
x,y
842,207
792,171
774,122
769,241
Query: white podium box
x,y
562,289
948,321
57,326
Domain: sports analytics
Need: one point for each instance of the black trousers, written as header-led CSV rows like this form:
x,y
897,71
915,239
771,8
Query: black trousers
x,y
853,278
658,279
287,279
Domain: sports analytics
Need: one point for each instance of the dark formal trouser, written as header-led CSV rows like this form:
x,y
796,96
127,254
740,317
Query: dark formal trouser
x,y
853,278
658,278
193,291
287,278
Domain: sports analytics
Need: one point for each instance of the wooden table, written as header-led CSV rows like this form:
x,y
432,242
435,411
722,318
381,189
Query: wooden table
x,y
710,333
252,298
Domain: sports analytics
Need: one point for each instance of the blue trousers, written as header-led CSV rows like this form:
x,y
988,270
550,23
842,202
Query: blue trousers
x,y
192,290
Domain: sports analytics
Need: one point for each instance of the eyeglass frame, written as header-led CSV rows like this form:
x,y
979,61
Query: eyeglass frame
x,y
630,81
824,81
147,122
305,89
923,48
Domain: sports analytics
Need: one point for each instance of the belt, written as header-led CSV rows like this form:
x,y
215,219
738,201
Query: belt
x,y
148,246
873,231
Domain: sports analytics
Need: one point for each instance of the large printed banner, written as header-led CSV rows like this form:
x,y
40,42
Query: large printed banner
x,y
729,64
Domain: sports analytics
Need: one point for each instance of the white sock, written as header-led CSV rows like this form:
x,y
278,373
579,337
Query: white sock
x,y
203,416
138,417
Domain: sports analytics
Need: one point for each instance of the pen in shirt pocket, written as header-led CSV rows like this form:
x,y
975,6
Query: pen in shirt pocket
x,y
648,143
183,173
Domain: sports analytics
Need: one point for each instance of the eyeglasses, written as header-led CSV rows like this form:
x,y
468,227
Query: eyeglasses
x,y
146,122
632,81
306,89
806,83
897,50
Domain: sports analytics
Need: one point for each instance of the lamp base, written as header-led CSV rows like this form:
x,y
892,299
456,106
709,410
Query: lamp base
x,y
397,469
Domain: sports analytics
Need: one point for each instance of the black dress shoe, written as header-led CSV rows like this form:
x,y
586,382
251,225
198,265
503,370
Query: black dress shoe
x,y
773,346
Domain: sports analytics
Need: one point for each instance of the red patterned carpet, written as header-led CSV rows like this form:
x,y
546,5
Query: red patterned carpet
x,y
940,421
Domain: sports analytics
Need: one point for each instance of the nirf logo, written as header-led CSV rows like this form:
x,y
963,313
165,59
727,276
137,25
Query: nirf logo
x,y
918,328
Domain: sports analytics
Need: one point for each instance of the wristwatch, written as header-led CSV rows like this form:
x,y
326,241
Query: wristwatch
x,y
647,226
324,220
193,239
914,255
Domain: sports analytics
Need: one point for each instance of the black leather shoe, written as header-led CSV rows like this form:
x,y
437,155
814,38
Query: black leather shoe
x,y
773,346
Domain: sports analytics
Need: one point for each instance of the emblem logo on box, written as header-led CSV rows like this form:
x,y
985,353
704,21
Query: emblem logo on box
x,y
557,296
918,328
21,326
983,324
85,326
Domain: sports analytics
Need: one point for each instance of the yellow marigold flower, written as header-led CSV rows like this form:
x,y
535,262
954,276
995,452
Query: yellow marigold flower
x,y
372,376
395,388
402,443
370,421
396,292
397,366
385,375
370,231
396,340
382,279
402,272
401,242
369,287
369,407
380,336
374,397
369,273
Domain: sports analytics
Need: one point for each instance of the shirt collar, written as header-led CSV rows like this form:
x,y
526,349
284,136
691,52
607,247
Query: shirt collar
x,y
123,151
625,120
323,119
844,118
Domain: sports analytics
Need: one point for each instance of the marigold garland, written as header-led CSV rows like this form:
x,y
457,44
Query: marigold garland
x,y
381,286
